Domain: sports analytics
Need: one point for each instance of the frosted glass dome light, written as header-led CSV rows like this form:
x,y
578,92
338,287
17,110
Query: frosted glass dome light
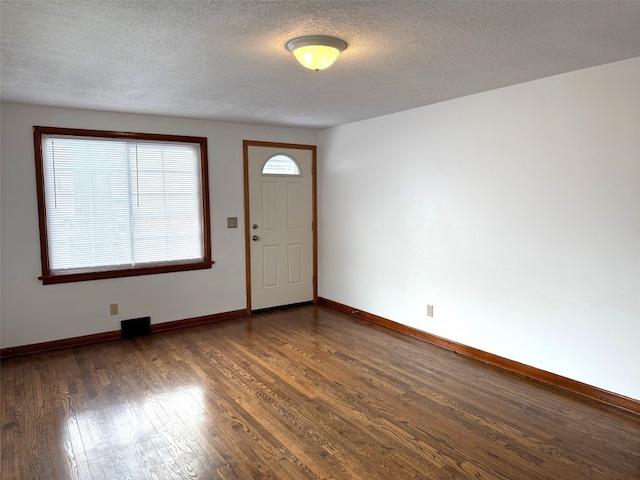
x,y
316,52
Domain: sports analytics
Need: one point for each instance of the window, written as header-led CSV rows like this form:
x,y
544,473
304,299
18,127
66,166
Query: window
x,y
281,165
115,204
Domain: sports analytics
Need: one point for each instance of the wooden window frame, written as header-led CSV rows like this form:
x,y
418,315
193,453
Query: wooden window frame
x,y
48,277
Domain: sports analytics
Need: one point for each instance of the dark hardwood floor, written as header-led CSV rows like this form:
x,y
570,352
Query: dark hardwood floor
x,y
297,394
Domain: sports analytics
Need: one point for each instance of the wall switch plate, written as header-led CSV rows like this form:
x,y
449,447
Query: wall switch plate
x,y
429,310
232,222
113,309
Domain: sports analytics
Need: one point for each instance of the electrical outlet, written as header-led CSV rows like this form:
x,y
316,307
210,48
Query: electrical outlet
x,y
113,309
429,310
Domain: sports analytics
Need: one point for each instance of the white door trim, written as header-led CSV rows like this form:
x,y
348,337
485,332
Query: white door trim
x,y
247,227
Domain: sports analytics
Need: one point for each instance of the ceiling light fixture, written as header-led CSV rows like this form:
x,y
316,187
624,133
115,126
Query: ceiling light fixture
x,y
316,52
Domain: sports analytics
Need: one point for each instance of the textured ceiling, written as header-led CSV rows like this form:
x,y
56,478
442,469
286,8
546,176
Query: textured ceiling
x,y
226,60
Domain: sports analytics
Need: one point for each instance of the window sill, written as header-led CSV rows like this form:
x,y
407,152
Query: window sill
x,y
125,272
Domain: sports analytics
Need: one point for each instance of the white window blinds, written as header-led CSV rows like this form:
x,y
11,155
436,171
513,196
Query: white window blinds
x,y
118,203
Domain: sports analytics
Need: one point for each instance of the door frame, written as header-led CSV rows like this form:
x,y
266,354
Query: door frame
x,y
314,207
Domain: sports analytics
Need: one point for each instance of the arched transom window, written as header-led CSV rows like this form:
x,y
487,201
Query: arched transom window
x,y
281,164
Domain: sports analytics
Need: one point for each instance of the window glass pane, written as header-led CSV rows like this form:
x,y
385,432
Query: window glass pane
x,y
166,212
87,201
281,165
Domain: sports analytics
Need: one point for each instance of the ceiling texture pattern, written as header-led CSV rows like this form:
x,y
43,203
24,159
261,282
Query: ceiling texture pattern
x,y
227,60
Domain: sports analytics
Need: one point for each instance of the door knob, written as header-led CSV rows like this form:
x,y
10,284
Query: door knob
x,y
255,238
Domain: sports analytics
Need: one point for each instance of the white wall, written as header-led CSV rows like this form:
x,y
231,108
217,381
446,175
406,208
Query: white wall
x,y
33,313
515,212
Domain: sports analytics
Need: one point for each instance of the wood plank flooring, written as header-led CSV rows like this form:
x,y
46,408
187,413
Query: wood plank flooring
x,y
303,393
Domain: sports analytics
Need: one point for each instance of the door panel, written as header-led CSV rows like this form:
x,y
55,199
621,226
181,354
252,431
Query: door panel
x,y
269,206
295,263
294,206
270,266
280,234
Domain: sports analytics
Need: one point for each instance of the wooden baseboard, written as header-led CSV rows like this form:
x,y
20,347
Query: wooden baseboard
x,y
192,322
565,383
115,335
58,344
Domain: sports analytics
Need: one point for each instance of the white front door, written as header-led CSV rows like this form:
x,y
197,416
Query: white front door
x,y
280,224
